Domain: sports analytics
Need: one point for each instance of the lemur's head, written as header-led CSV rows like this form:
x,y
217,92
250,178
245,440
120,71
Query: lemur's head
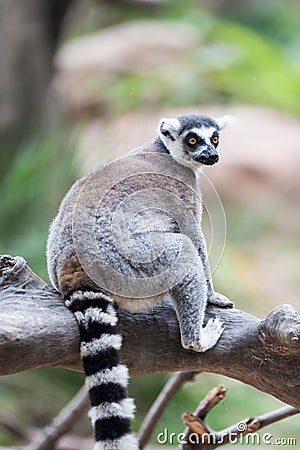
x,y
193,138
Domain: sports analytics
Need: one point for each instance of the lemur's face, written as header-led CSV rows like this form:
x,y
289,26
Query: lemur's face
x,y
193,138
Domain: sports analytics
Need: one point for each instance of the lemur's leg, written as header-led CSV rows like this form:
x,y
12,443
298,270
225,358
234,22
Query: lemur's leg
x,y
212,296
189,298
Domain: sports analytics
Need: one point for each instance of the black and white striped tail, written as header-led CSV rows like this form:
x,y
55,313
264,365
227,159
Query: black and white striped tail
x,y
106,378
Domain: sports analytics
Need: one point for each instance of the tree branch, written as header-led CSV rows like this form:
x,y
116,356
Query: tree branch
x,y
210,439
195,422
62,423
36,329
157,409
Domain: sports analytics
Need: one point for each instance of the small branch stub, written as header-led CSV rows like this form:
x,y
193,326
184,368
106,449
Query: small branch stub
x,y
196,425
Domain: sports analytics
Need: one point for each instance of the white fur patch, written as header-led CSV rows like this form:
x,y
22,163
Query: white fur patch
x,y
97,315
225,121
124,409
117,374
171,126
127,442
168,124
174,147
101,344
89,295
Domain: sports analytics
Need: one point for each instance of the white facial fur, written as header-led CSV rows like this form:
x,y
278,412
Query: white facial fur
x,y
168,131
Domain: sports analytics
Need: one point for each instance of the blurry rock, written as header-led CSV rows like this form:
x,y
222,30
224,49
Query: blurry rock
x,y
260,153
137,47
87,65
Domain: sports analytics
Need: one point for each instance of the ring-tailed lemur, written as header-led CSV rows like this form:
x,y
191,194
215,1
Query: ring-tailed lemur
x,y
190,142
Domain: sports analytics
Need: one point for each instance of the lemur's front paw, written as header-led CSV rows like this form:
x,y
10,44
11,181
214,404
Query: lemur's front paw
x,y
220,300
210,335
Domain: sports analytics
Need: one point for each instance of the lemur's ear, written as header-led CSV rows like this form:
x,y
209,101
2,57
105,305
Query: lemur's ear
x,y
169,128
225,121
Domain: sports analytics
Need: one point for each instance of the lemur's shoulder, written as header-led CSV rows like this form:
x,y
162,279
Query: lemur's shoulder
x,y
156,146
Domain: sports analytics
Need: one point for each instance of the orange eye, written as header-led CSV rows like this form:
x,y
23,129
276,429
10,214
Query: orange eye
x,y
215,140
192,141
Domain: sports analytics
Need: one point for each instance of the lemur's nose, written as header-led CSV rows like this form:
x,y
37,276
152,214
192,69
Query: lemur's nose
x,y
214,158
207,158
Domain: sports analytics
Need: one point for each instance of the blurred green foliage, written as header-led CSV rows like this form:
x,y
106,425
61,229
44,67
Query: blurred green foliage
x,y
244,55
256,70
30,192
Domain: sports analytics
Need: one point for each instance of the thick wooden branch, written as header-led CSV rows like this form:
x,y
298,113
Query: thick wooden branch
x,y
36,329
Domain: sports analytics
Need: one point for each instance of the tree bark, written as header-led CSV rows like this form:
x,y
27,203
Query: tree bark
x,y
36,329
29,32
